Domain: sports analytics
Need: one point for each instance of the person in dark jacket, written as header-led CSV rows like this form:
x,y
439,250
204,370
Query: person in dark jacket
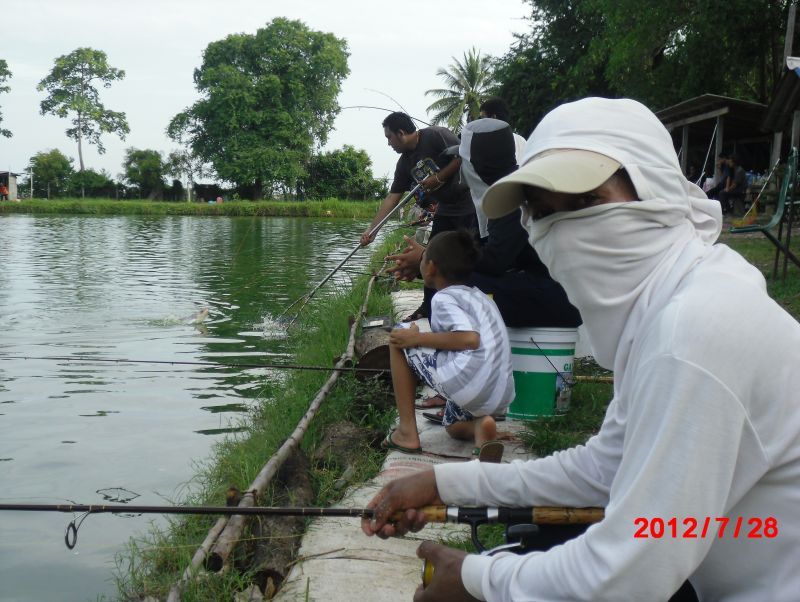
x,y
508,269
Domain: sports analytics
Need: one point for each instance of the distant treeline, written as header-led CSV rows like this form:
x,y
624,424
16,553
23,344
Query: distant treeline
x,y
325,208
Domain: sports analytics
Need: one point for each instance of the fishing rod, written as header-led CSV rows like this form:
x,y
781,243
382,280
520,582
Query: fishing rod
x,y
384,109
186,363
307,297
473,516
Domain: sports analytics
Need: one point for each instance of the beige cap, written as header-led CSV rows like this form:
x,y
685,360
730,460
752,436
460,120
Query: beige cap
x,y
563,170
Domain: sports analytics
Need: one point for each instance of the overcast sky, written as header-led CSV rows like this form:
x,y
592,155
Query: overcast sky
x,y
395,49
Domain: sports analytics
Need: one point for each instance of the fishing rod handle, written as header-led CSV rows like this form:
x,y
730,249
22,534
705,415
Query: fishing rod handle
x,y
539,515
562,515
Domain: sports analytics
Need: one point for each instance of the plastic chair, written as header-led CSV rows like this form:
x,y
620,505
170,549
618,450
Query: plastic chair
x,y
783,213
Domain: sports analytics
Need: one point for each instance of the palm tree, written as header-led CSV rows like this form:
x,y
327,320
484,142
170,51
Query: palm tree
x,y
467,82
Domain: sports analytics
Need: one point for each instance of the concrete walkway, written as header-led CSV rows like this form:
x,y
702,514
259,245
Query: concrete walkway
x,y
338,563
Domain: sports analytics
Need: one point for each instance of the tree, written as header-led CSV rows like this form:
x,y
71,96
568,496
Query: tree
x,y
677,49
145,169
182,163
468,83
267,99
71,90
91,183
4,75
657,52
344,174
51,173
552,64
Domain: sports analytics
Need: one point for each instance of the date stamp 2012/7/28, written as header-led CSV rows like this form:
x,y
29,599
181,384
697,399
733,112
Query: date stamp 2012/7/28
x,y
694,528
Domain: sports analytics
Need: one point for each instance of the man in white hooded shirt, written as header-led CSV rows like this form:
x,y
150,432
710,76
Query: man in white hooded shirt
x,y
704,426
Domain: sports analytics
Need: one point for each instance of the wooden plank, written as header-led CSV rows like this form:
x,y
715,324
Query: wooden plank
x,y
695,118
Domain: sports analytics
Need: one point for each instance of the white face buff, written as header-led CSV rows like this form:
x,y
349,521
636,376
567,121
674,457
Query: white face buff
x,y
605,257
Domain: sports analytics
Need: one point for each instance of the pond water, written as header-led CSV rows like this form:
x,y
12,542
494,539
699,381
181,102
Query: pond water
x,y
86,431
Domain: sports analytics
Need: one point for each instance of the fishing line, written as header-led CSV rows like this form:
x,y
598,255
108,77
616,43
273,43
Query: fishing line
x,y
394,100
708,152
570,382
188,363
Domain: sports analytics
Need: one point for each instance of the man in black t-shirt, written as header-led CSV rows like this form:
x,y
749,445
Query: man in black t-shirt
x,y
454,209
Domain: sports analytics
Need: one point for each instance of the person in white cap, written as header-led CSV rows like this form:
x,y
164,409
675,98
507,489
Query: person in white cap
x,y
697,462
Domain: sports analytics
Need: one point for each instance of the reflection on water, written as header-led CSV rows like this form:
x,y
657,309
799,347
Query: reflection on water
x,y
169,289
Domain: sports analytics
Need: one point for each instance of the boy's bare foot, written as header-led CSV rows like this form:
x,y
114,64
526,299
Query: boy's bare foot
x,y
485,430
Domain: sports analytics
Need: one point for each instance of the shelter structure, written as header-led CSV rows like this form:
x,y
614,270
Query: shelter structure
x,y
9,179
782,111
706,126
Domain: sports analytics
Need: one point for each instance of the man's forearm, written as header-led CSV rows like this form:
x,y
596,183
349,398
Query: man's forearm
x,y
447,172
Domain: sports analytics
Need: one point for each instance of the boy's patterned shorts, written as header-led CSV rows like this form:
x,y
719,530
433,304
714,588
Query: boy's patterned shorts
x,y
422,361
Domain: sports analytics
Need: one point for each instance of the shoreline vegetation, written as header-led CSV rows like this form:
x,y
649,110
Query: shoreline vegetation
x,y
316,208
155,561
356,414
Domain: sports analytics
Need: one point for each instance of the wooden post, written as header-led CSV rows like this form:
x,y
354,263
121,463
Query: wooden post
x,y
777,139
787,42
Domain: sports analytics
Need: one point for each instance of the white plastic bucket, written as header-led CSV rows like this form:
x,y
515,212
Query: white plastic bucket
x,y
542,361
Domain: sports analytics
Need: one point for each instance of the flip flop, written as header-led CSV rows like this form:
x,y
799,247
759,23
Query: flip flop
x,y
491,451
427,404
437,417
388,444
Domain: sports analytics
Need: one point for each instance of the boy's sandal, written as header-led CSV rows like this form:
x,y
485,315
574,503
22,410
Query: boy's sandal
x,y
437,417
491,451
418,314
389,444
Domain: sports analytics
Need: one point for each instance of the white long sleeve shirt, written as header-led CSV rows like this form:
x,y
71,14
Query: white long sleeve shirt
x,y
706,423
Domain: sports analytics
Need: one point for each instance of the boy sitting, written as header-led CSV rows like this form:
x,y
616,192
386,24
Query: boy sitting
x,y
466,358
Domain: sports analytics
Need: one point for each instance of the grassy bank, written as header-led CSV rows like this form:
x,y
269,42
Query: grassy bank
x,y
155,562
324,208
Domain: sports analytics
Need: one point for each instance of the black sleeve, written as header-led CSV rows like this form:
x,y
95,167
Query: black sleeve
x,y
507,242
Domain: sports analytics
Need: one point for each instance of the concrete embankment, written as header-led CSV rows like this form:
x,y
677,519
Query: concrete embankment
x,y
338,563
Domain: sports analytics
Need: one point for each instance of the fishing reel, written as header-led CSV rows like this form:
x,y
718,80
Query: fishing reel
x,y
424,169
527,529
